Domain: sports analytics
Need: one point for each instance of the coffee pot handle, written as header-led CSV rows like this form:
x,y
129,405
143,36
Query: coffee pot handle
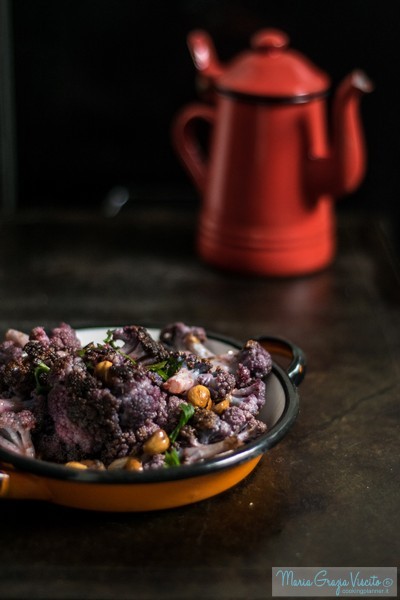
x,y
186,141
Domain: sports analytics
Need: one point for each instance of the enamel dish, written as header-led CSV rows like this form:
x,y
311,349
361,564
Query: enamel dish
x,y
27,478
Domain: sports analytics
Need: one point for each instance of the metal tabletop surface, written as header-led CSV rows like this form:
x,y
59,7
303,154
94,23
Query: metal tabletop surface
x,y
327,494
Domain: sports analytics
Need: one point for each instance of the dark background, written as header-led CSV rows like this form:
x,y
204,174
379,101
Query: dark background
x,y
97,83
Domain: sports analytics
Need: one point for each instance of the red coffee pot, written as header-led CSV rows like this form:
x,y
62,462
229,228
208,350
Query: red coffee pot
x,y
270,175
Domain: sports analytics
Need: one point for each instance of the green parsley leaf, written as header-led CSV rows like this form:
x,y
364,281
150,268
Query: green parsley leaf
x,y
167,368
111,342
109,339
159,368
187,412
39,370
172,458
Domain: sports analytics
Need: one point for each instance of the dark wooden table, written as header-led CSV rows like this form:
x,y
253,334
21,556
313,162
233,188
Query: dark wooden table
x,y
327,495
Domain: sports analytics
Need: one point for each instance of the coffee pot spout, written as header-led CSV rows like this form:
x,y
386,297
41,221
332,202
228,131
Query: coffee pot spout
x,y
348,143
342,171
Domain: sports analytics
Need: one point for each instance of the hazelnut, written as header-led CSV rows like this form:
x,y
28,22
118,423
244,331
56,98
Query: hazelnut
x,y
199,395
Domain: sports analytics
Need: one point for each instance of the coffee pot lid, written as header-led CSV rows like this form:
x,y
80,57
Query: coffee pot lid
x,y
271,69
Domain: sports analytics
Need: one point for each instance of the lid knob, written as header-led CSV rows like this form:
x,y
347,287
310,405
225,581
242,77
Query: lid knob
x,y
269,39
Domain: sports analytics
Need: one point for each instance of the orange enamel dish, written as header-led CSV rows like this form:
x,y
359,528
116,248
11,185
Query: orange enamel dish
x,y
130,491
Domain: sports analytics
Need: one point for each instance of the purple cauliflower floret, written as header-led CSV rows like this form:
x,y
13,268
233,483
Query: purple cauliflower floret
x,y
210,435
139,345
81,416
209,427
255,358
250,398
243,376
219,381
142,400
15,432
64,337
26,368
24,375
38,334
185,338
145,431
69,433
18,338
243,423
13,404
251,362
37,352
17,378
169,419
10,354
79,420
156,461
61,338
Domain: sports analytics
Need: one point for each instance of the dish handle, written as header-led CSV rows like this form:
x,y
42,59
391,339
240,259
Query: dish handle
x,y
296,369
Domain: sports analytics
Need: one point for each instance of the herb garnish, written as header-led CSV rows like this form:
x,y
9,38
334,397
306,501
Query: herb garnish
x,y
172,458
110,341
166,368
39,370
187,412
